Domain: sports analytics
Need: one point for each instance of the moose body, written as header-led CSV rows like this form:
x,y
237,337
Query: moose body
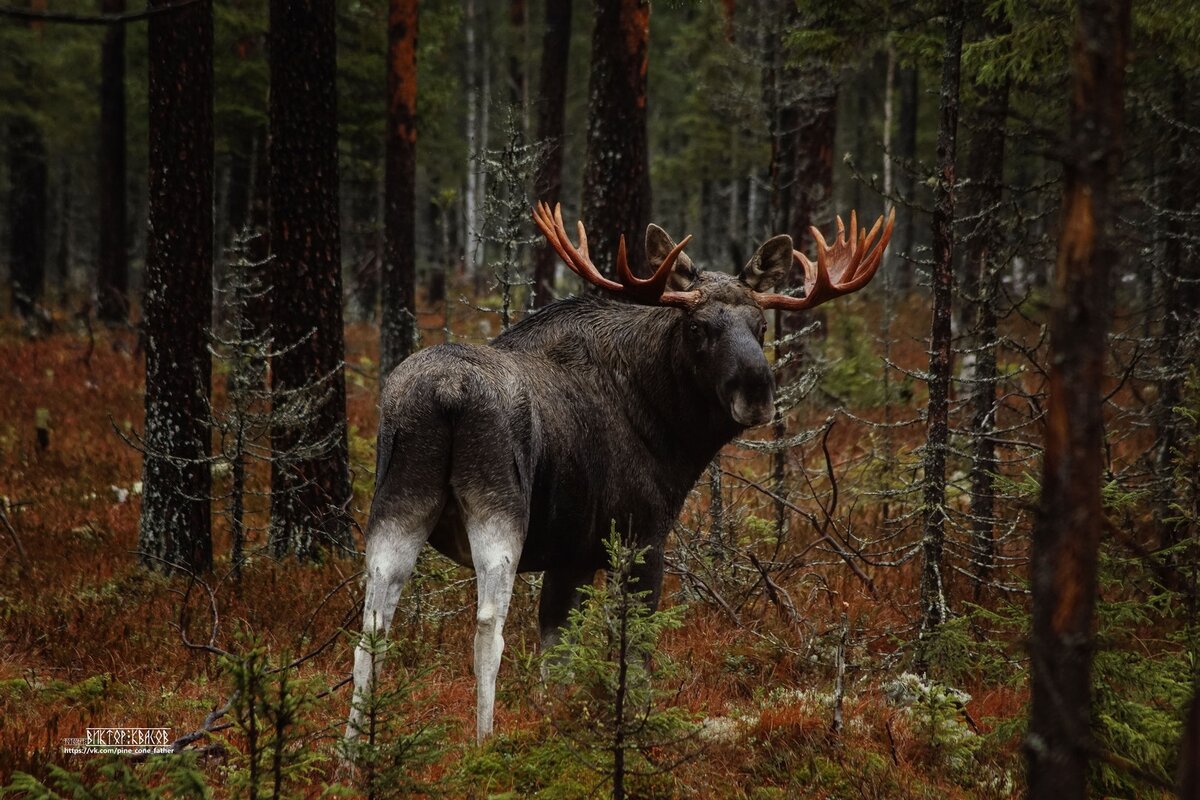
x,y
522,454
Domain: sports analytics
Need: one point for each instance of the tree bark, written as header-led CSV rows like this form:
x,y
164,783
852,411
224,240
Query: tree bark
x,y
906,185
112,285
27,199
985,166
933,590
1066,533
1181,289
177,306
616,183
552,100
398,326
310,482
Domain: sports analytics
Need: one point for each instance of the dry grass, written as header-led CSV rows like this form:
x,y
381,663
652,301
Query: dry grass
x,y
90,639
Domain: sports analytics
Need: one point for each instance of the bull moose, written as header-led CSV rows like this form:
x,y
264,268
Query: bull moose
x,y
520,454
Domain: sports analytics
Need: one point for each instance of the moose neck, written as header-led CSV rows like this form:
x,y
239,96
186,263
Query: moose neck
x,y
637,358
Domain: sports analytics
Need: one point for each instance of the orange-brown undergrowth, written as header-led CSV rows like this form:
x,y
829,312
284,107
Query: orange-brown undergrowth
x,y
87,638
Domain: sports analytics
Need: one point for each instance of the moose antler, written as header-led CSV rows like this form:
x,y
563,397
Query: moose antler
x,y
649,291
845,267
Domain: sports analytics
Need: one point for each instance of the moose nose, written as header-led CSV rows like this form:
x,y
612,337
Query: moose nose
x,y
752,403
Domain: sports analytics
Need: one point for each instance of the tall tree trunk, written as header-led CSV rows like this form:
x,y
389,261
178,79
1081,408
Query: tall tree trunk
x,y
398,326
473,196
933,590
1066,533
985,167
310,480
176,522
516,57
906,184
27,198
1181,289
112,284
551,108
616,181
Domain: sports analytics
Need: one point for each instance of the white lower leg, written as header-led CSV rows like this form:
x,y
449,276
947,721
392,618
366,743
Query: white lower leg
x,y
489,646
391,557
494,551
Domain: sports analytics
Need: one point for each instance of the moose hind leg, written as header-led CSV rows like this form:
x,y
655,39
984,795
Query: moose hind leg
x,y
393,544
495,551
561,594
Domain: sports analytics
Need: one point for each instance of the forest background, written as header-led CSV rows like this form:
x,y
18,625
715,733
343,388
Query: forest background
x,y
880,593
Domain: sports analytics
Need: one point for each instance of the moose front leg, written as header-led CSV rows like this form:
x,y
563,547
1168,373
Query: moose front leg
x,y
648,576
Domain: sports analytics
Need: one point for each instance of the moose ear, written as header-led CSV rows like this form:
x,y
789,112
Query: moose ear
x,y
658,245
768,267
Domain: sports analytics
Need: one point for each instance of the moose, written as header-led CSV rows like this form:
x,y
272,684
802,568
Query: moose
x,y
519,455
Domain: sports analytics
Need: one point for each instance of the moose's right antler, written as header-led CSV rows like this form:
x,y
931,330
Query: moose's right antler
x,y
845,267
650,291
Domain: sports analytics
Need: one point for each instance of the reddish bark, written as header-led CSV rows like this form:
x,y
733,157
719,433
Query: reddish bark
x,y
616,186
552,97
1066,534
398,326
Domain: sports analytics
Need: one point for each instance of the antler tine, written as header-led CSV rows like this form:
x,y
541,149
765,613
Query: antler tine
x,y
854,259
645,290
649,289
551,226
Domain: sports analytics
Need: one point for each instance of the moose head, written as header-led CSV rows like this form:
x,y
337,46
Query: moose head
x,y
726,314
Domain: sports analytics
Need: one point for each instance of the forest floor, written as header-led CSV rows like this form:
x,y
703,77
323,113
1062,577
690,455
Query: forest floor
x,y
90,639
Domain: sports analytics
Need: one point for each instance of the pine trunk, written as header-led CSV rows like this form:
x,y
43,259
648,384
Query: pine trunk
x,y
27,198
310,481
906,185
398,326
616,183
112,289
1181,290
933,589
985,165
176,522
552,99
1066,533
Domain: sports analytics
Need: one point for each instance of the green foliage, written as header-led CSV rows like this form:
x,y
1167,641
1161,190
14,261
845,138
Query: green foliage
x,y
608,704
173,777
531,763
271,712
1141,682
399,734
852,373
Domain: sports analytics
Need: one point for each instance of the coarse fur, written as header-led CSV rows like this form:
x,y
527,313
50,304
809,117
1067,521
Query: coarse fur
x,y
520,455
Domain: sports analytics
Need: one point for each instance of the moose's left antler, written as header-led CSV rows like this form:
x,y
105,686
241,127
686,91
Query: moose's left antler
x,y
650,291
845,267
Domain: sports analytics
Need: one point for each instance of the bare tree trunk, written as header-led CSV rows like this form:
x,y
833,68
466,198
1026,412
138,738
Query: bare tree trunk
x,y
27,198
934,608
474,192
1181,289
985,165
616,184
906,185
1066,533
398,326
112,285
176,521
311,488
552,99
